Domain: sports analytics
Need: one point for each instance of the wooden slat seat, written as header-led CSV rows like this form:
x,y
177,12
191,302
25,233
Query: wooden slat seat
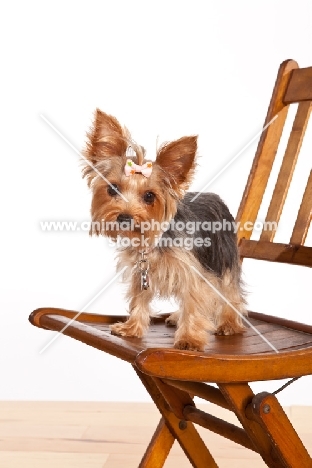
x,y
154,353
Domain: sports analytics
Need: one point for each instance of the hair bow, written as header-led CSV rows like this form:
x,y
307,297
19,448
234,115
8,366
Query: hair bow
x,y
131,168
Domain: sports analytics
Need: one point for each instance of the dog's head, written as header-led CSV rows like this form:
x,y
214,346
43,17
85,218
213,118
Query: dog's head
x,y
131,194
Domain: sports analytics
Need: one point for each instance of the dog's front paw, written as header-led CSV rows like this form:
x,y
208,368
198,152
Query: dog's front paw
x,y
189,345
230,329
172,320
127,329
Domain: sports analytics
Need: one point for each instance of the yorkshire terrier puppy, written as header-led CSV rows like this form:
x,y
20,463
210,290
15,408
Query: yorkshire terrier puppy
x,y
171,245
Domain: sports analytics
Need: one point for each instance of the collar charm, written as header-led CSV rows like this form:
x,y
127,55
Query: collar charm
x,y
143,266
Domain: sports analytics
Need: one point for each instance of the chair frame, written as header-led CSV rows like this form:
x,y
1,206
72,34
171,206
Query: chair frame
x,y
172,377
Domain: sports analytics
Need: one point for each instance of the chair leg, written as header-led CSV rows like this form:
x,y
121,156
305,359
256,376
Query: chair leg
x,y
239,396
159,447
270,415
185,432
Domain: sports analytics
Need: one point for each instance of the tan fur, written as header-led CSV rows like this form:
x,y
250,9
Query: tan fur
x,y
201,308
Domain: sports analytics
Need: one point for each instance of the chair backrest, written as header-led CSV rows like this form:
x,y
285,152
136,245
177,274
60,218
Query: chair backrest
x,y
293,85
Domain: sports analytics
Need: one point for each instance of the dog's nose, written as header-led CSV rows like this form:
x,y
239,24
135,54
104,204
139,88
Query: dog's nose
x,y
124,218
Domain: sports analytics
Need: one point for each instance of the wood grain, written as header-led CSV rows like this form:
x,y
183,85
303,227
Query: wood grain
x,y
299,87
273,420
240,396
303,220
107,443
159,447
274,252
187,435
287,168
266,151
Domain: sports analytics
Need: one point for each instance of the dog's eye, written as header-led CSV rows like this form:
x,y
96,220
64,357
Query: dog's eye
x,y
112,190
149,197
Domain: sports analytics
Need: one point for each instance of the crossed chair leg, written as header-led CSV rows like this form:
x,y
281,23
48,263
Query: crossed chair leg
x,y
173,426
266,428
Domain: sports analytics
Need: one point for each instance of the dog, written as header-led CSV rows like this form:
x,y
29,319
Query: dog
x,y
161,232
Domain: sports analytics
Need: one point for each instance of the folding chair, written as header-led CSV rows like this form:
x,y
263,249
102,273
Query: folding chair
x,y
172,377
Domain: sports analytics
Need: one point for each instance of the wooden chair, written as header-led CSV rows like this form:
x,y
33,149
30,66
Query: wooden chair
x,y
172,377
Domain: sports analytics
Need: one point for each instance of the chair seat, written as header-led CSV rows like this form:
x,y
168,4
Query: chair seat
x,y
237,358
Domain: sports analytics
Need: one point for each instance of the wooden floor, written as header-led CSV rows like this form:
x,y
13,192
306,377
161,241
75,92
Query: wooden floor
x,y
109,435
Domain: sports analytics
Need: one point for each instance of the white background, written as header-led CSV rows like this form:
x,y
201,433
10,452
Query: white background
x,y
163,68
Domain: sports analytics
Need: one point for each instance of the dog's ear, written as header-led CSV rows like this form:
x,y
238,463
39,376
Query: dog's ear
x,y
177,161
106,138
106,141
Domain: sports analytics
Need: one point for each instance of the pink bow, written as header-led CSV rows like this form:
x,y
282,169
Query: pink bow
x,y
132,168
